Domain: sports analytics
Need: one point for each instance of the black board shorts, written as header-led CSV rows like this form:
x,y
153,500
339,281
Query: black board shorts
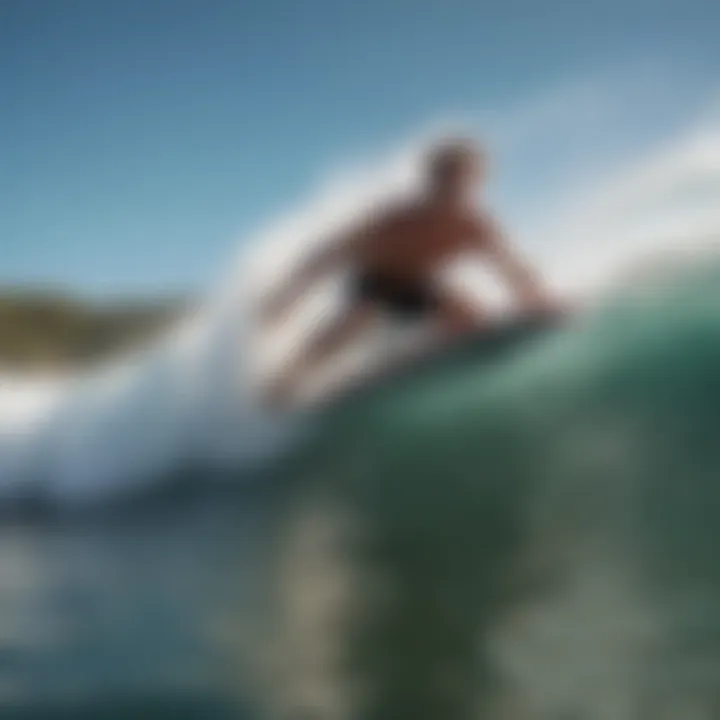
x,y
406,299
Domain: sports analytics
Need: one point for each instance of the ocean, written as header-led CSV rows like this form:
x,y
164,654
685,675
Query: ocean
x,y
526,534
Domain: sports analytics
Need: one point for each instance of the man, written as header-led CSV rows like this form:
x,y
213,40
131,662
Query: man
x,y
395,256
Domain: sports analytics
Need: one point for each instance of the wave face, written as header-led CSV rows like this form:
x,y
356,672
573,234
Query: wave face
x,y
529,538
527,535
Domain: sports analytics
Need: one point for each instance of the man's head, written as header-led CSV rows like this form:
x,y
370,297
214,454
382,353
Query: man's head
x,y
455,168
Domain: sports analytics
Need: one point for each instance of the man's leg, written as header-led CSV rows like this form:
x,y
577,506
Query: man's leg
x,y
450,315
327,342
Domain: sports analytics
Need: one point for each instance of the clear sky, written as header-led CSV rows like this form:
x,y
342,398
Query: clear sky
x,y
139,139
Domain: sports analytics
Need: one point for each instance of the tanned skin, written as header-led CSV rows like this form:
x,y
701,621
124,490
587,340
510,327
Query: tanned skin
x,y
408,244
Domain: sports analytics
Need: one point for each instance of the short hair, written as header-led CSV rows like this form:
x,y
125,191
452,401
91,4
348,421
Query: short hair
x,y
453,154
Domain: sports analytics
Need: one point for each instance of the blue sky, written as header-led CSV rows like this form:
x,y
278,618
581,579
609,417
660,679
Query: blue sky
x,y
139,140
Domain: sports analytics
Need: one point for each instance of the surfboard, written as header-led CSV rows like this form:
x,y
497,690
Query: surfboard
x,y
493,343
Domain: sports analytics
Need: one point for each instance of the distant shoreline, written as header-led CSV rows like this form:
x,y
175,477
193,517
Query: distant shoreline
x,y
46,329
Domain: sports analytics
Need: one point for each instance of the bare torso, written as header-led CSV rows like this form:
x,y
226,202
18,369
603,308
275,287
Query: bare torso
x,y
397,256
412,242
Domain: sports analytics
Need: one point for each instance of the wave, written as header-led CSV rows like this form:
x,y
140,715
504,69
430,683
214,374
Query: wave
x,y
527,533
191,398
87,437
531,536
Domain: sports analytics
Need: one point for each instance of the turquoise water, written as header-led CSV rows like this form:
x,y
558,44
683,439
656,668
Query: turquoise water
x,y
528,538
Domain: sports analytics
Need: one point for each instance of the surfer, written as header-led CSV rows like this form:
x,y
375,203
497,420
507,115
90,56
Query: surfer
x,y
394,258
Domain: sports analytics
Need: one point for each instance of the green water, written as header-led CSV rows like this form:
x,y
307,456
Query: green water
x,y
533,538
543,531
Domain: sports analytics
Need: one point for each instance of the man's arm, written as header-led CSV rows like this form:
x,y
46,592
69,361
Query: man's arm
x,y
523,281
319,263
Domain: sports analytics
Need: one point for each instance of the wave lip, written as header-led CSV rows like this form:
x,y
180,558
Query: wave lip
x,y
185,401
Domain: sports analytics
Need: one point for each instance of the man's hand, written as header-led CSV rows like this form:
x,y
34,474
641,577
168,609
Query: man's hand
x,y
546,306
525,284
540,303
